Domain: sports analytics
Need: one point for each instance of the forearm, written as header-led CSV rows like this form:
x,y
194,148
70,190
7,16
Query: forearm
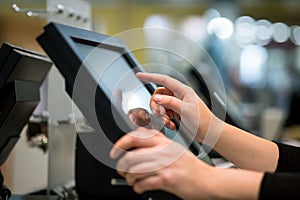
x,y
236,184
246,150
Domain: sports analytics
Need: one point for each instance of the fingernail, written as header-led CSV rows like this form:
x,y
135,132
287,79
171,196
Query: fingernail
x,y
115,152
157,98
112,153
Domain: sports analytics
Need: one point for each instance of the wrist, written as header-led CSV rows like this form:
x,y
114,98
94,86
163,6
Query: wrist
x,y
206,182
236,184
210,128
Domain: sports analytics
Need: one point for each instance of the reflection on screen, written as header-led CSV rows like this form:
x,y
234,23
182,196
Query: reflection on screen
x,y
116,77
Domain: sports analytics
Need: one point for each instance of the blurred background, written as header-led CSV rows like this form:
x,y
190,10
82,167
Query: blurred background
x,y
254,44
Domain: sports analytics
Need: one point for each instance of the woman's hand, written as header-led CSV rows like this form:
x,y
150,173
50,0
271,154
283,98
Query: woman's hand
x,y
245,150
154,162
177,100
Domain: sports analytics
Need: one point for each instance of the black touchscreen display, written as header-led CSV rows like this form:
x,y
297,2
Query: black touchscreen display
x,y
118,81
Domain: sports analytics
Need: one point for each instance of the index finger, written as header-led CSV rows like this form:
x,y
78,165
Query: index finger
x,y
172,84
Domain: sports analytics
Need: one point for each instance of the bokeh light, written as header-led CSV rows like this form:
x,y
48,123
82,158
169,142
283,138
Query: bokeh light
x,y
263,32
221,26
281,32
252,62
296,35
245,29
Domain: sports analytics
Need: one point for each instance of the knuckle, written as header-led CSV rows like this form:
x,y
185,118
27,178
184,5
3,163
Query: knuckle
x,y
133,140
166,179
130,179
153,183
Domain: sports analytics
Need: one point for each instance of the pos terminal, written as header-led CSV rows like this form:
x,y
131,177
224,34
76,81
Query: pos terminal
x,y
21,74
99,74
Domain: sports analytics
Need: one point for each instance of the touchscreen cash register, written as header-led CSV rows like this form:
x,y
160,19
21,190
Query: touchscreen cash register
x,y
99,74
